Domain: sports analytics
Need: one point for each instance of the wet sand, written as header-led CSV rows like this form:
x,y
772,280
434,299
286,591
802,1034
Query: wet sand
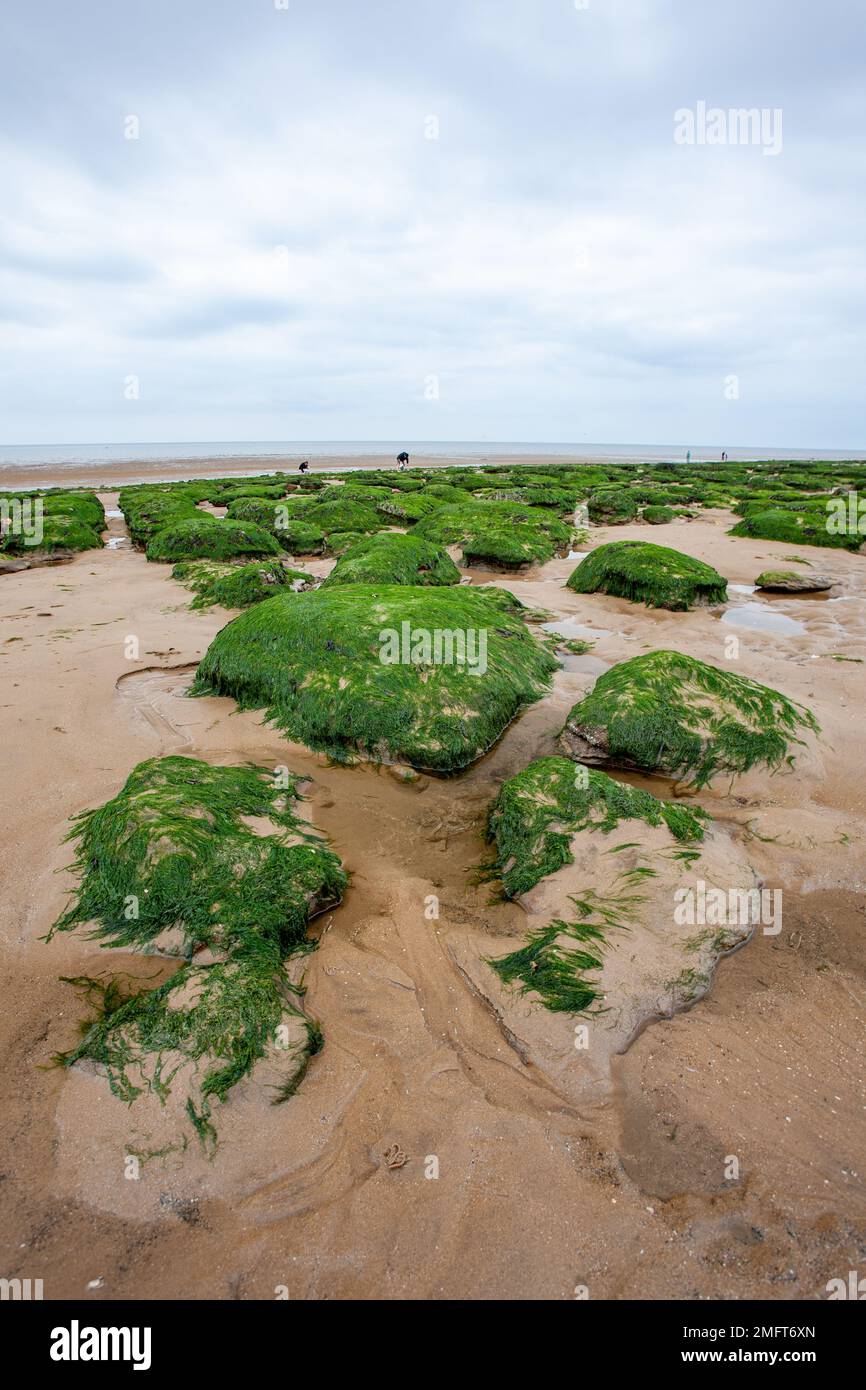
x,y
145,470
623,1190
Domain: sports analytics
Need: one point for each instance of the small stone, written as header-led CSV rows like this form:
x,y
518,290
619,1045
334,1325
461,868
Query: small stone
x,y
787,582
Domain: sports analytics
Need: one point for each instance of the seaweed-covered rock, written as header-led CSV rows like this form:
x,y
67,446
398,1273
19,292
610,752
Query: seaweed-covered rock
x,y
394,560
205,536
445,492
624,920
650,574
147,509
338,515
338,542
658,516
787,582
537,813
671,713
173,854
300,538
498,534
237,586
267,512
404,509
610,508
798,528
508,547
34,524
426,676
450,524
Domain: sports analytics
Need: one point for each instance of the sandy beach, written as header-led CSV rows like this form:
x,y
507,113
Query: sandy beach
x,y
537,1190
144,470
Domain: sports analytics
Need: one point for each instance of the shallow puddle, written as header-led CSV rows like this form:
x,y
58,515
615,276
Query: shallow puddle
x,y
586,665
756,618
569,627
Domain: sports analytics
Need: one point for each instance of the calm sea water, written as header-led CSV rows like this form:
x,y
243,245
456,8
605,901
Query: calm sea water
x,y
268,453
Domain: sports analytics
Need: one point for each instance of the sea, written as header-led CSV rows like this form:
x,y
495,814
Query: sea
x,y
67,463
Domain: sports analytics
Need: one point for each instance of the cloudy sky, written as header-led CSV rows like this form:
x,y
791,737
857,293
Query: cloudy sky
x,y
430,220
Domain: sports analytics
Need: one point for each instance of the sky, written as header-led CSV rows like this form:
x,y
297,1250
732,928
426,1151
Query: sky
x,y
432,220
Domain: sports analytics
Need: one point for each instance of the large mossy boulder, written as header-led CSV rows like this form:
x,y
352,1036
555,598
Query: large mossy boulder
x,y
427,676
670,713
173,864
393,560
650,574
208,537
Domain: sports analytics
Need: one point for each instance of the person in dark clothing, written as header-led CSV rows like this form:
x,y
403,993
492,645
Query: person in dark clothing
x,y
302,467
403,460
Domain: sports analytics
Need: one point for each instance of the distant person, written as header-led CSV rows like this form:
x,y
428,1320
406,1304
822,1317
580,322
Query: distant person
x,y
688,455
403,461
724,457
303,467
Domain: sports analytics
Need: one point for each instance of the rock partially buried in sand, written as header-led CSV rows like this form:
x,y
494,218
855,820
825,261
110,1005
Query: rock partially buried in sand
x,y
666,712
396,673
787,582
207,537
10,565
172,863
393,560
238,585
615,886
537,812
650,574
42,528
797,527
497,535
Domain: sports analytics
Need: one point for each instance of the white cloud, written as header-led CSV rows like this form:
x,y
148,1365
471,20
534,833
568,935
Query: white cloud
x,y
283,253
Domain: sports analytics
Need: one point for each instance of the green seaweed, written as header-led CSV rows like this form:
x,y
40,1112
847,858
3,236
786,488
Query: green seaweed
x,y
329,669
650,574
802,527
237,586
537,812
393,559
671,713
69,521
173,853
207,537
